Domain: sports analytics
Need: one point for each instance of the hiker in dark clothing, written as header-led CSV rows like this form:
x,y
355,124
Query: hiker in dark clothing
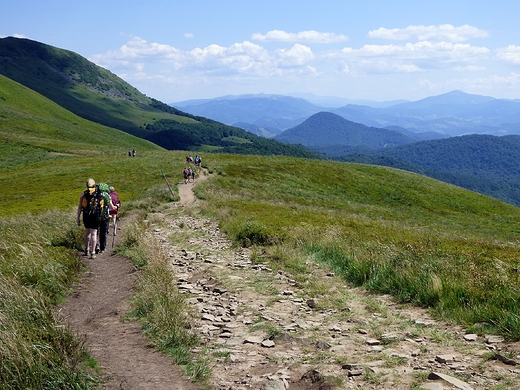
x,y
104,225
90,220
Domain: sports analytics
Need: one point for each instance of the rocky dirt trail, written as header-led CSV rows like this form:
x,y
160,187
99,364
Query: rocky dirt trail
x,y
95,310
264,330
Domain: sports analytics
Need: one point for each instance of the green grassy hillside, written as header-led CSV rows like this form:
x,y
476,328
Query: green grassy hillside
x,y
391,231
98,95
80,86
366,215
394,232
47,153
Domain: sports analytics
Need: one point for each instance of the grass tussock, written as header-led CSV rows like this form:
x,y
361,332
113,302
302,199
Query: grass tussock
x,y
37,264
161,309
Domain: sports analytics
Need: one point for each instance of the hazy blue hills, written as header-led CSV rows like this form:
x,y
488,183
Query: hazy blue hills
x,y
454,113
271,114
451,114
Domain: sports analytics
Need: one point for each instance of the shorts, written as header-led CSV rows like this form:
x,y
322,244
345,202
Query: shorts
x,y
91,221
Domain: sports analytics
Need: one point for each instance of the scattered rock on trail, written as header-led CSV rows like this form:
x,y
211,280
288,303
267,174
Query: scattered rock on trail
x,y
263,330
242,305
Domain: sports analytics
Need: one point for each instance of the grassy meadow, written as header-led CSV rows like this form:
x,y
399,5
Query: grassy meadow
x,y
393,232
390,231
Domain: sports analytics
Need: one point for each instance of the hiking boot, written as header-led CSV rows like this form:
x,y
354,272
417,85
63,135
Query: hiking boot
x,y
93,256
85,252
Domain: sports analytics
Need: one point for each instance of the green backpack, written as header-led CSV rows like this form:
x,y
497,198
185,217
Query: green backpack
x,y
104,189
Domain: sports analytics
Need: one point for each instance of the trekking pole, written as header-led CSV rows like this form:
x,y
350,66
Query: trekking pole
x,y
168,184
115,229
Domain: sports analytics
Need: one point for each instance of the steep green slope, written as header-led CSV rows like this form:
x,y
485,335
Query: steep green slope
x,y
79,85
96,94
30,123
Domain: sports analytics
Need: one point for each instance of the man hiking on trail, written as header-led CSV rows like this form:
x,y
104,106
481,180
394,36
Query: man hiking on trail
x,y
90,204
107,208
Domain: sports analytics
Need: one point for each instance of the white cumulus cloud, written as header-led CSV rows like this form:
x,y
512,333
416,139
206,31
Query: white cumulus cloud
x,y
298,55
443,32
509,54
302,36
410,57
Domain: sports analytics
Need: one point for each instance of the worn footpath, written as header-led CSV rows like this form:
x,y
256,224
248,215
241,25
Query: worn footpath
x,y
262,329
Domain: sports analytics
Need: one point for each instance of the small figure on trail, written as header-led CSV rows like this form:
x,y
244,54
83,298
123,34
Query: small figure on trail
x,y
188,159
115,211
186,173
193,175
133,152
129,153
108,206
198,160
90,204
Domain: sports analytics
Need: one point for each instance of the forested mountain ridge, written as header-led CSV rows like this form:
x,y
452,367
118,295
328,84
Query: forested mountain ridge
x,y
483,163
331,134
98,95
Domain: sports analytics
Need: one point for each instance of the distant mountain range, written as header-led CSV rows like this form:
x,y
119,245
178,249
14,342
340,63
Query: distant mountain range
x,y
451,114
335,136
420,136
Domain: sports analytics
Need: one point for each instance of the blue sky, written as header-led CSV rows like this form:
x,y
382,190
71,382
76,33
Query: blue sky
x,y
379,50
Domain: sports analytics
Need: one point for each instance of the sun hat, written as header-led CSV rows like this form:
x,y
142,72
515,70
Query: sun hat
x,y
91,183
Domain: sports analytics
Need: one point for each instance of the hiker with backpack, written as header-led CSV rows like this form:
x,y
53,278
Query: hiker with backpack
x,y
113,213
186,174
90,204
108,206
